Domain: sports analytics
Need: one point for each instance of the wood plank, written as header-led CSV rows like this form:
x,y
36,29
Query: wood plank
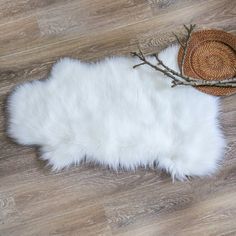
x,y
11,10
79,17
154,34
210,217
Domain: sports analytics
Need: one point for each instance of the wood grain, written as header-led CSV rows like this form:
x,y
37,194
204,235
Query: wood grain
x,y
92,200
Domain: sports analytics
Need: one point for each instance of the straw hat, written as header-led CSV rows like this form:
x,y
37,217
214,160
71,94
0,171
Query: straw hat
x,y
211,55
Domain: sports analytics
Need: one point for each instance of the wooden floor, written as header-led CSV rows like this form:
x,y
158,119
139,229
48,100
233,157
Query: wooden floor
x,y
91,200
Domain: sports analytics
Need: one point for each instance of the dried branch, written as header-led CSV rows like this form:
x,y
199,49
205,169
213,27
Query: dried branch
x,y
185,46
178,78
215,83
178,40
146,62
160,62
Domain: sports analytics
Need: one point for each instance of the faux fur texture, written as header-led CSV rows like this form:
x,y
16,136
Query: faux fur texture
x,y
118,116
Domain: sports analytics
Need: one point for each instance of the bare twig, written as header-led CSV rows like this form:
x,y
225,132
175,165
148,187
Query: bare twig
x,y
201,83
177,38
140,64
160,62
178,77
185,46
146,62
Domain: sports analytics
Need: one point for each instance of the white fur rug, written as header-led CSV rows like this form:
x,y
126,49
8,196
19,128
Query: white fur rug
x,y
118,116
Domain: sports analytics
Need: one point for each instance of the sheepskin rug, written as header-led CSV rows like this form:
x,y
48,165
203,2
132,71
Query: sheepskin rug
x,y
118,116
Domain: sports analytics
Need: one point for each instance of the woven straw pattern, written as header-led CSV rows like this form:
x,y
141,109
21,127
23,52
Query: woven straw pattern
x,y
211,56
